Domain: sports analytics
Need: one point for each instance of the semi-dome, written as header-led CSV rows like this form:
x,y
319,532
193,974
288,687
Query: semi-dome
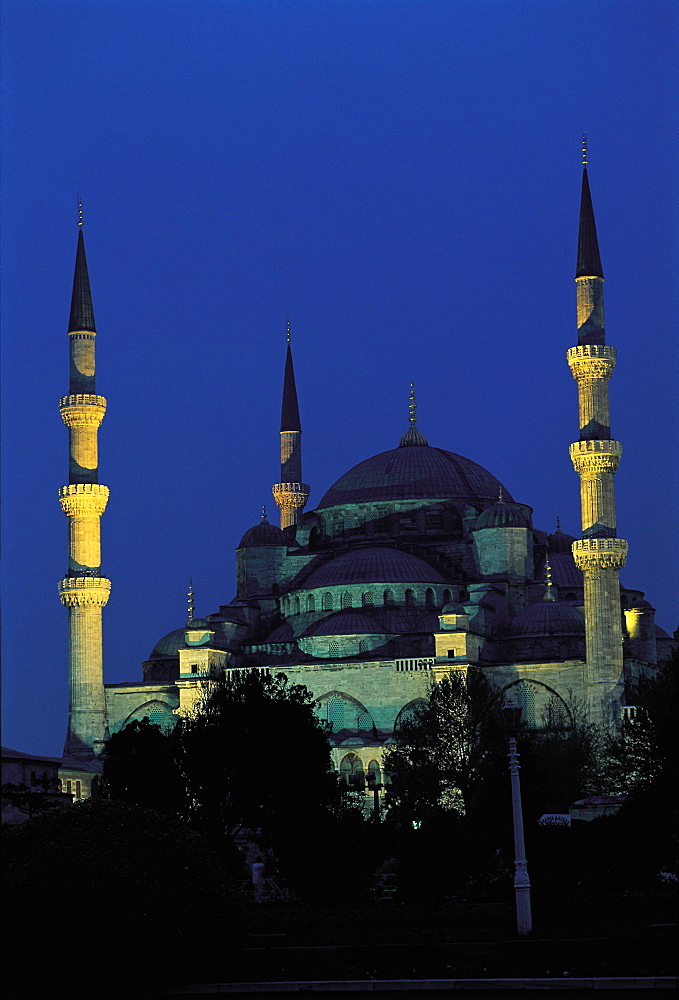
x,y
262,534
345,623
548,618
373,565
503,515
411,473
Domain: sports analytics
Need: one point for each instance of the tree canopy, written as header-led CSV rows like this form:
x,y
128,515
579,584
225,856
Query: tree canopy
x,y
447,754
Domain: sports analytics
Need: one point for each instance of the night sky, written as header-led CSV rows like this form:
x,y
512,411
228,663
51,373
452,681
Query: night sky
x,y
402,179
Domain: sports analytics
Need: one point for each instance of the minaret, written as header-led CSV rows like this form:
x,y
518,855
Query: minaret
x,y
84,591
600,554
290,494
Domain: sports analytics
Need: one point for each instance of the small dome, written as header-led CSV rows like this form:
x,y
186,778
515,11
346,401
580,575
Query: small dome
x,y
503,515
262,534
559,541
453,608
345,623
660,633
548,618
198,624
169,645
373,565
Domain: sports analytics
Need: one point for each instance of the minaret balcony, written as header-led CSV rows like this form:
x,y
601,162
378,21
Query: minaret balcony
x,y
82,410
591,554
83,499
84,591
592,457
591,362
291,494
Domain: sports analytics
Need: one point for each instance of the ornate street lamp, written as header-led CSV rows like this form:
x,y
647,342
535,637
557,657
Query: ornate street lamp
x,y
511,715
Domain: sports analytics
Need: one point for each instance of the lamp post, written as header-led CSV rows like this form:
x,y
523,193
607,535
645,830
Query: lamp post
x,y
511,715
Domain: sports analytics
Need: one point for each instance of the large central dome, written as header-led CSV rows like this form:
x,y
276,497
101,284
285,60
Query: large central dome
x,y
412,473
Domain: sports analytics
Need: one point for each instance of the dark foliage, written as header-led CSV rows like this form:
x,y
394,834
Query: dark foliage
x,y
105,875
227,767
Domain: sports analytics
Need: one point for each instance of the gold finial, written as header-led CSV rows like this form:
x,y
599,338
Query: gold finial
x,y
558,523
412,405
80,211
287,328
500,496
549,595
191,601
264,520
584,149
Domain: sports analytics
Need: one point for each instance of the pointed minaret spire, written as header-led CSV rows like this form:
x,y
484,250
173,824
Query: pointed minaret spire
x,y
290,409
82,312
290,494
600,554
412,437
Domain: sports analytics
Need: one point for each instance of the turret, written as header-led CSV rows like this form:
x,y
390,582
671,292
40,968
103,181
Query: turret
x,y
84,591
595,456
290,494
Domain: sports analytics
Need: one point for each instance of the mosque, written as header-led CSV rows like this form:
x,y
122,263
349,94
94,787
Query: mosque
x,y
416,561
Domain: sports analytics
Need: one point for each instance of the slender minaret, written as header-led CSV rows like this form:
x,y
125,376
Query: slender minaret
x,y
291,494
84,591
600,554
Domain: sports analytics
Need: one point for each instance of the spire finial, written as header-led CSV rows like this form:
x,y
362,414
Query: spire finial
x,y
80,211
584,149
191,602
287,328
500,496
264,518
558,523
412,405
549,593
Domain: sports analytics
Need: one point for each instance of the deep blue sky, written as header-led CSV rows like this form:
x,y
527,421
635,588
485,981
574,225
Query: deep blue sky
x,y
403,180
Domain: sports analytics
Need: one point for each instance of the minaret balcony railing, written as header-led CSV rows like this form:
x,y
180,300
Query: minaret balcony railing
x,y
82,410
83,499
82,399
591,362
592,457
291,494
599,553
84,591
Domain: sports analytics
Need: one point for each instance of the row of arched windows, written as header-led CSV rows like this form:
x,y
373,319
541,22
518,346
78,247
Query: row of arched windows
x,y
367,599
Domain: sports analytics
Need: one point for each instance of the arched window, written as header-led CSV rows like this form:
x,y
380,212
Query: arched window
x,y
368,599
363,645
351,770
327,601
410,599
311,603
388,596
375,771
346,600
447,597
409,713
429,598
336,714
364,722
334,648
297,606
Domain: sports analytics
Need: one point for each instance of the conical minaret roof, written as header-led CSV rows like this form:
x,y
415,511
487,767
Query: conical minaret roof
x,y
82,311
589,258
290,410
